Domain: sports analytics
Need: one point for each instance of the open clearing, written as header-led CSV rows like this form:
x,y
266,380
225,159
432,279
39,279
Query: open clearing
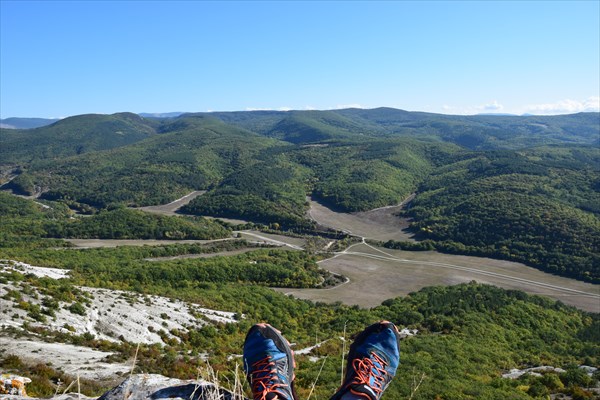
x,y
377,274
172,207
251,236
269,238
377,224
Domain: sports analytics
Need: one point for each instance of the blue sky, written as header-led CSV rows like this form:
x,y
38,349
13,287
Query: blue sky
x,y
66,58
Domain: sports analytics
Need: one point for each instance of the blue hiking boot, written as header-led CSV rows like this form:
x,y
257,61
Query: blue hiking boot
x,y
269,364
372,362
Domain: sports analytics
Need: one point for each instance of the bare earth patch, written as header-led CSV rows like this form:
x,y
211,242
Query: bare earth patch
x,y
269,238
377,224
172,207
378,274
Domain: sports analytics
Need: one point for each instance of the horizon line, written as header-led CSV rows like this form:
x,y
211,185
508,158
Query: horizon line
x,y
285,110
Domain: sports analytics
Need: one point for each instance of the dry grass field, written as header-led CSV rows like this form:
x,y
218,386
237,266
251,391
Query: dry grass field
x,y
378,224
377,274
251,236
169,209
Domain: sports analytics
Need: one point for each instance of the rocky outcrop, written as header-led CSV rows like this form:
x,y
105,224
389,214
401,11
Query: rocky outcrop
x,y
145,386
154,387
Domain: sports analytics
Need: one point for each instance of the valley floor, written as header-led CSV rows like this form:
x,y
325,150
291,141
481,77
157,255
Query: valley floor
x,y
378,274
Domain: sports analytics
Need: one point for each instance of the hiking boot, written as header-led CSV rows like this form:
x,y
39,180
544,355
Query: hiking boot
x,y
269,364
372,362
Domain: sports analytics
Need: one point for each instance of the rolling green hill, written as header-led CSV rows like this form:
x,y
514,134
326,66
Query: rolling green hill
x,y
485,132
267,192
483,187
189,154
477,132
538,206
23,219
71,136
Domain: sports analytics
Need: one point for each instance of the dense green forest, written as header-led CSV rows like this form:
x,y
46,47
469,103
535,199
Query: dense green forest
x,y
538,206
20,217
268,192
476,132
518,188
74,135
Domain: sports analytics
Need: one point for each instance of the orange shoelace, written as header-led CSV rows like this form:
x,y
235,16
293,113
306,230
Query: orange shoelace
x,y
265,379
366,369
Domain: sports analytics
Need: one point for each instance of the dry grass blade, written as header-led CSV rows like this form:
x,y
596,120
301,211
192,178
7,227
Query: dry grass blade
x,y
211,392
197,385
415,385
316,379
69,387
126,393
343,353
238,384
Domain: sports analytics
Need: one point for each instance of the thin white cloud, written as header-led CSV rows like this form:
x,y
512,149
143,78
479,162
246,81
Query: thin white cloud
x,y
353,105
259,109
566,106
493,106
268,109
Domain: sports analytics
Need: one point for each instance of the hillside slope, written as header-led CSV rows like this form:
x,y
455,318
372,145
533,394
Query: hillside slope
x,y
71,136
189,154
475,132
468,335
539,206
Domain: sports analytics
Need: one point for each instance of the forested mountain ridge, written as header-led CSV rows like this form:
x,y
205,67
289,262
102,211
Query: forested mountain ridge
x,y
91,132
72,136
188,154
475,132
517,201
538,206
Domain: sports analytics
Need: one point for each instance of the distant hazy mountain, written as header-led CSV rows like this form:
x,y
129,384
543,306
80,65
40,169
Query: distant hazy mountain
x,y
162,115
25,123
